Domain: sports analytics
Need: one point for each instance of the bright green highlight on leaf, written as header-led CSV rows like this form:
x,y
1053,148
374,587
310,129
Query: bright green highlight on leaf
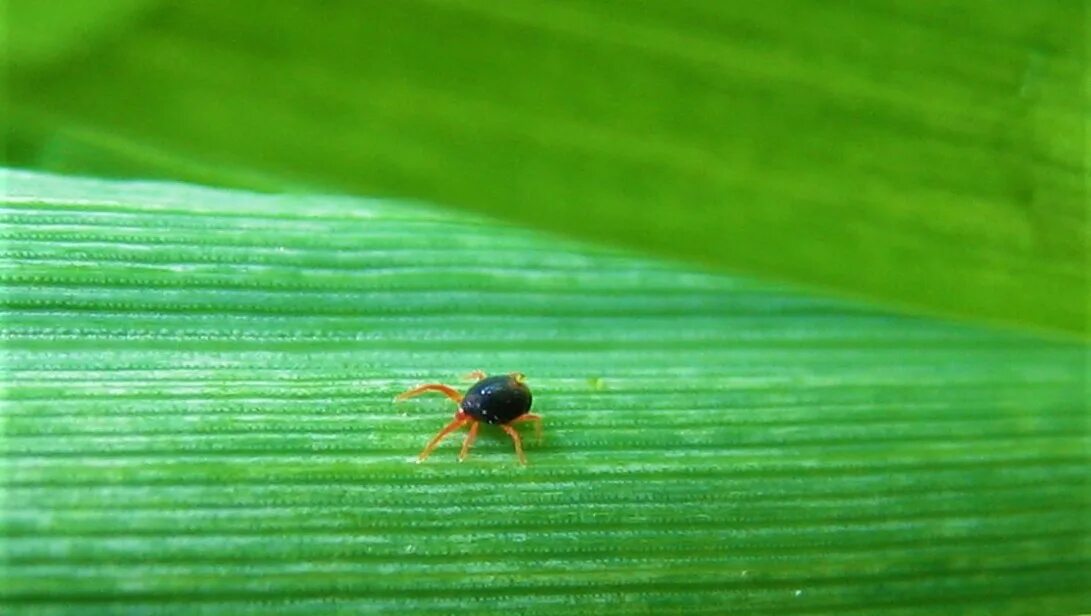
x,y
198,419
929,155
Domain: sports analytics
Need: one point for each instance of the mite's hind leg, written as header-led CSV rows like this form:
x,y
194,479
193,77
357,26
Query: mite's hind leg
x,y
459,421
446,390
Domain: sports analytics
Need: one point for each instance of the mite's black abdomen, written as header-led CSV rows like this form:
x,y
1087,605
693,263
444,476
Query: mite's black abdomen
x,y
497,399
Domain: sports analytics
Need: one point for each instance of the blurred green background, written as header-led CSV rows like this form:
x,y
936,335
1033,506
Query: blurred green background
x,y
926,156
801,289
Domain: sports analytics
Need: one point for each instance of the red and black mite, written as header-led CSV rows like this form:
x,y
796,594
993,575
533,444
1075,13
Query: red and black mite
x,y
501,400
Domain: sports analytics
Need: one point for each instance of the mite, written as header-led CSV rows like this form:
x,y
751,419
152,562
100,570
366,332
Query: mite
x,y
502,400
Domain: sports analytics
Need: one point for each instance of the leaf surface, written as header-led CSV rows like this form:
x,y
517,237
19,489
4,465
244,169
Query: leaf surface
x,y
198,418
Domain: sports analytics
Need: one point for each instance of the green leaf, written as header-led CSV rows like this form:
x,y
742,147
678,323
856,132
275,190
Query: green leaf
x,y
928,155
35,33
198,418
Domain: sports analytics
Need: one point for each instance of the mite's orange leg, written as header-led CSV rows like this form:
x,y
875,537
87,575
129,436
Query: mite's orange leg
x,y
476,375
470,437
518,443
459,421
537,419
443,389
